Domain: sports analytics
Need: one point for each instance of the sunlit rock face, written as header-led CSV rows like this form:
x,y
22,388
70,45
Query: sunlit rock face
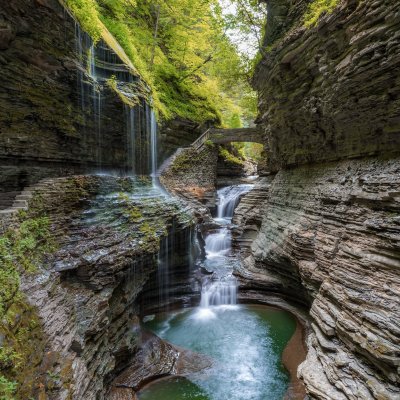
x,y
330,234
332,91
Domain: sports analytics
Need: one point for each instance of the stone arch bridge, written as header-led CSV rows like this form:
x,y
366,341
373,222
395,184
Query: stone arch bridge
x,y
220,136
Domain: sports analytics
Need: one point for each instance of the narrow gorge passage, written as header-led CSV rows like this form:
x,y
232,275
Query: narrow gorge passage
x,y
244,342
200,200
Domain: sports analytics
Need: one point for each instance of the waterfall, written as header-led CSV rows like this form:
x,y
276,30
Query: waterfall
x,y
79,46
218,243
221,290
163,272
228,199
96,98
96,62
153,144
130,139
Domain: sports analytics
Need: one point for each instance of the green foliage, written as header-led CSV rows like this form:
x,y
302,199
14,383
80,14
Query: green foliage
x,y
7,388
249,151
316,9
185,161
229,157
181,50
21,250
86,13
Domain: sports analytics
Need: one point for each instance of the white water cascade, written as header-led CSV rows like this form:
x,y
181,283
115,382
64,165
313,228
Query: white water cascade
x,y
218,293
221,288
96,98
228,199
153,145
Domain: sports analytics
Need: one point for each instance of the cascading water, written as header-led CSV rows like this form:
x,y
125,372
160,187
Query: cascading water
x,y
153,145
228,199
244,343
96,98
96,67
131,139
221,292
221,289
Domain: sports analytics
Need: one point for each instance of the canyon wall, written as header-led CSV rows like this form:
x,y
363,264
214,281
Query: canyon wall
x,y
330,233
59,113
108,268
332,91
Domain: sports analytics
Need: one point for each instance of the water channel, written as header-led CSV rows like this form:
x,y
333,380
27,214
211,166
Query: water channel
x,y
243,342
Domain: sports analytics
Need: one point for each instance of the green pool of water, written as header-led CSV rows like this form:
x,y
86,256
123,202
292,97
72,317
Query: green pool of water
x,y
245,344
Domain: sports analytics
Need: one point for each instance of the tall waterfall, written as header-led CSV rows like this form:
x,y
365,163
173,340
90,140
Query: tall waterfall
x,y
153,144
221,288
96,98
141,136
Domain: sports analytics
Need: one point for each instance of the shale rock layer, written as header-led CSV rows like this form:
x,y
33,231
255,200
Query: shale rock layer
x,y
331,91
331,234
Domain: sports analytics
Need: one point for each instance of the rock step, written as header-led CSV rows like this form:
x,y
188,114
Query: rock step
x,y
19,208
20,203
23,197
8,211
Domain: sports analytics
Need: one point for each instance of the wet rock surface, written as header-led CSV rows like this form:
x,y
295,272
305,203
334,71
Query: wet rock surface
x,y
62,122
192,175
248,215
330,237
155,359
108,232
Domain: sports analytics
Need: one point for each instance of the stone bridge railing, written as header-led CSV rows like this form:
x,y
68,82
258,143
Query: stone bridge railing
x,y
228,135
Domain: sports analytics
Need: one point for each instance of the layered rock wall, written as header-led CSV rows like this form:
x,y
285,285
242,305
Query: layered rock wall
x,y
330,235
332,91
58,114
87,295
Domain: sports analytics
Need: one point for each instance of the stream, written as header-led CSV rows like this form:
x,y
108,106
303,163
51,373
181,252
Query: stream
x,y
244,342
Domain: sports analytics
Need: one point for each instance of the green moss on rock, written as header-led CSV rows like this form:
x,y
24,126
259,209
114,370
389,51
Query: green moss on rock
x,y
316,9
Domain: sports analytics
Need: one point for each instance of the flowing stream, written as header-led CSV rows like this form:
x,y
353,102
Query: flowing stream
x,y
244,343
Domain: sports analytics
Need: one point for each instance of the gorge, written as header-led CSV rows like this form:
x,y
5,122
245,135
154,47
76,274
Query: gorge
x,y
142,258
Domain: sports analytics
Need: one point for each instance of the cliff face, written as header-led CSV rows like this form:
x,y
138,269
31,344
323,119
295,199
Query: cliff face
x,y
332,91
89,296
330,234
58,113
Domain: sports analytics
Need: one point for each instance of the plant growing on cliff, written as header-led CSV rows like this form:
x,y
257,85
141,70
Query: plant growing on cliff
x,y
229,157
7,388
316,9
21,249
181,49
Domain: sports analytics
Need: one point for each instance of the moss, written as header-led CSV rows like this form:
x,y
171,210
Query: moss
x,y
129,101
22,249
88,16
185,161
7,388
229,157
316,9
210,144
